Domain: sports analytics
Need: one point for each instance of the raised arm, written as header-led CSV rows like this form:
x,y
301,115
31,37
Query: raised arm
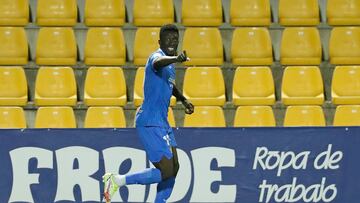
x,y
189,108
164,61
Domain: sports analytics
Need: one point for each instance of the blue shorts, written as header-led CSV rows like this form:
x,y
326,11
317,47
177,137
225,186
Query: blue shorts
x,y
157,142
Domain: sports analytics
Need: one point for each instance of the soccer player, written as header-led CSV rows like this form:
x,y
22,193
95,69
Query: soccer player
x,y
152,125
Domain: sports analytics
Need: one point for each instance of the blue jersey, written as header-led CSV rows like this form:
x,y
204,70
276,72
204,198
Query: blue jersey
x,y
158,86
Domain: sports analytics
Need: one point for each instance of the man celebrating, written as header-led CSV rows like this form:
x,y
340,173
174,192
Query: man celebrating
x,y
152,125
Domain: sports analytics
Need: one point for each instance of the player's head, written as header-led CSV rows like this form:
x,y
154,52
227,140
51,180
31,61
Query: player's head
x,y
169,39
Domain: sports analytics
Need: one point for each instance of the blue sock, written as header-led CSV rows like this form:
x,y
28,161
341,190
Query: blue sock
x,y
148,176
164,189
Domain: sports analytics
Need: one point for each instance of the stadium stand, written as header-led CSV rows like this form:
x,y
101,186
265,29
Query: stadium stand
x,y
105,86
253,86
143,50
304,116
205,116
105,117
13,46
158,12
105,46
299,12
302,85
56,12
13,86
347,115
104,12
344,46
14,13
201,13
343,12
254,116
55,117
345,86
12,117
250,13
204,86
251,46
55,86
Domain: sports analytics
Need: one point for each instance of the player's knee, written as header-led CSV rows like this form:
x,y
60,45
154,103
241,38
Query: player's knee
x,y
166,173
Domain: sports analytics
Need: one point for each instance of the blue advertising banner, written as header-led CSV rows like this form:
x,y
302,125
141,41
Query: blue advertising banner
x,y
245,165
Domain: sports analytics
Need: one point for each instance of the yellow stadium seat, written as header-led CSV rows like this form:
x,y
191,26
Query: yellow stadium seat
x,y
204,86
12,117
13,46
203,46
250,13
105,86
14,13
251,46
56,12
139,89
343,12
205,116
56,46
55,86
253,86
201,13
347,115
13,86
254,116
55,117
105,46
104,12
345,87
143,50
344,46
302,85
299,12
300,46
153,12
105,117
304,116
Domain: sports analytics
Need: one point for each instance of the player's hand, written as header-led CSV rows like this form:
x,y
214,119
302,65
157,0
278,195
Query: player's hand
x,y
189,107
182,57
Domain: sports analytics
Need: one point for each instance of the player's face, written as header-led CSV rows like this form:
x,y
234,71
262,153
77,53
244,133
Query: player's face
x,y
169,43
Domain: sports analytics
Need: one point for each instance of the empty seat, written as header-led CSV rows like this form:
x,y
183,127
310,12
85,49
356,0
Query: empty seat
x,y
105,46
171,118
13,46
347,115
139,89
146,42
55,117
344,45
302,85
153,12
104,12
300,46
105,86
12,117
201,13
204,86
254,116
105,117
56,46
253,86
345,88
250,13
55,86
304,116
205,116
343,12
56,12
298,12
203,46
13,86
14,13
251,46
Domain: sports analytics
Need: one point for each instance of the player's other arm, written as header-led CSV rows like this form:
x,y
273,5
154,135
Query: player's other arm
x,y
189,108
163,61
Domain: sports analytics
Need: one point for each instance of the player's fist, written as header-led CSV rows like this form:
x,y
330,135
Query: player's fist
x,y
189,107
182,57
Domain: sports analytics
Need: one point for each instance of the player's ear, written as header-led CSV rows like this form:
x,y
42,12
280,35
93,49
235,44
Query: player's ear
x,y
159,41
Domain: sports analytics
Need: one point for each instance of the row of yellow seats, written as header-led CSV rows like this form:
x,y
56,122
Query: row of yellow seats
x,y
203,116
250,46
301,85
194,13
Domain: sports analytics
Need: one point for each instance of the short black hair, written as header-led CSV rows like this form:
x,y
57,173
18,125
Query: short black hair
x,y
167,28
